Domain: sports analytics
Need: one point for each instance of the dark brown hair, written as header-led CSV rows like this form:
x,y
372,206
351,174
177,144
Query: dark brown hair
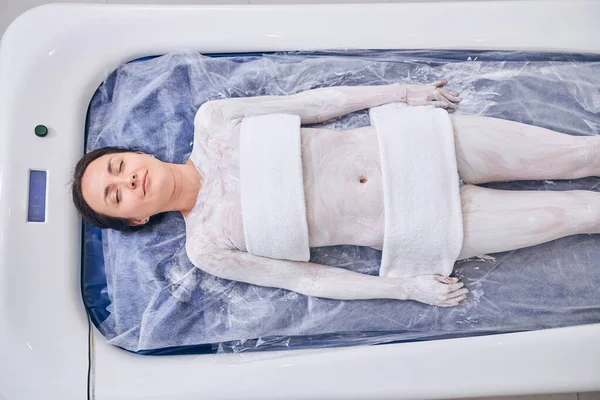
x,y
87,213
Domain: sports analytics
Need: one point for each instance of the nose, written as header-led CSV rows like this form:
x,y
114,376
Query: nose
x,y
130,181
133,181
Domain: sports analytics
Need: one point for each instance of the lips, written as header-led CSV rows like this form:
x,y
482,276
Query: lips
x,y
145,183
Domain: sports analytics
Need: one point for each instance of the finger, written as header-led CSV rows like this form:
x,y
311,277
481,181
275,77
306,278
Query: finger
x,y
450,92
439,104
440,83
454,287
453,302
445,279
443,104
458,293
446,304
448,95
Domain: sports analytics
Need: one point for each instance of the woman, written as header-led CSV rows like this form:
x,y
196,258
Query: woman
x,y
119,188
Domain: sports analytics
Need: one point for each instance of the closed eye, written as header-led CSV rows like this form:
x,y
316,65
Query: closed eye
x,y
117,197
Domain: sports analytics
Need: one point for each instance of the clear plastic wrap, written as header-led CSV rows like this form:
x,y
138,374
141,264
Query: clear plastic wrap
x,y
159,300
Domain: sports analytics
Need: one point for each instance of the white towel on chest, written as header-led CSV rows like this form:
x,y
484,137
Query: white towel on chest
x,y
272,187
423,215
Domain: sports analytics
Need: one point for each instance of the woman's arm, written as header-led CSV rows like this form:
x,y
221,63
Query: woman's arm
x,y
320,280
318,105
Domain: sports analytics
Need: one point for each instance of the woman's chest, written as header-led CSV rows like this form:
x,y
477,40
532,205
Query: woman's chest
x,y
218,218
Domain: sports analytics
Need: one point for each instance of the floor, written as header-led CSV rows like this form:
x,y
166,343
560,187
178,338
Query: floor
x,y
10,9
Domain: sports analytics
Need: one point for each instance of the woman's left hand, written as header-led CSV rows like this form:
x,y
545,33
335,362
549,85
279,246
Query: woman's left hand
x,y
430,95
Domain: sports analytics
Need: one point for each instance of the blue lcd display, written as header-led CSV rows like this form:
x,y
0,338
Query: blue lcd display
x,y
37,196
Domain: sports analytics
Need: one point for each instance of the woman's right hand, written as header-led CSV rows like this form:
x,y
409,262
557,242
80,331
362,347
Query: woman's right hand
x,y
436,290
430,95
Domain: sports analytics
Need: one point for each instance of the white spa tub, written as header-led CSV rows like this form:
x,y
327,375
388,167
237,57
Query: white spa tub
x,y
51,61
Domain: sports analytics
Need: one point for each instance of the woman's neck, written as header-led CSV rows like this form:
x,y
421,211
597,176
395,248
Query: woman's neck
x,y
188,182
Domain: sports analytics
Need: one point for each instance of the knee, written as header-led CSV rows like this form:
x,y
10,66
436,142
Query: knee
x,y
579,212
546,219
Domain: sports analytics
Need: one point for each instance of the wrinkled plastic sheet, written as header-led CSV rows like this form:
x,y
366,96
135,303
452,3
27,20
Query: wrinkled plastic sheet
x,y
156,299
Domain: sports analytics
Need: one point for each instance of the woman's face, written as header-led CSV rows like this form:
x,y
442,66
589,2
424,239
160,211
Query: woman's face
x,y
134,186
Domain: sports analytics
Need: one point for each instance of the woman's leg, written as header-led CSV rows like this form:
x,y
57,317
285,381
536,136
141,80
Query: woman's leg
x,y
499,220
491,149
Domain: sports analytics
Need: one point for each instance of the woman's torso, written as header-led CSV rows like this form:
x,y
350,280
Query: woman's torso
x,y
342,187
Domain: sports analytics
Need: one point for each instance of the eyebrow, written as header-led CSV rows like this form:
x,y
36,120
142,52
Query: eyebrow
x,y
109,169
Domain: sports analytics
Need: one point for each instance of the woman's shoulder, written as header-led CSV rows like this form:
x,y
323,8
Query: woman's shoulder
x,y
213,129
210,115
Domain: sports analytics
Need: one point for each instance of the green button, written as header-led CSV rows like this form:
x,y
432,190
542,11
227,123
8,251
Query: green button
x,y
41,130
